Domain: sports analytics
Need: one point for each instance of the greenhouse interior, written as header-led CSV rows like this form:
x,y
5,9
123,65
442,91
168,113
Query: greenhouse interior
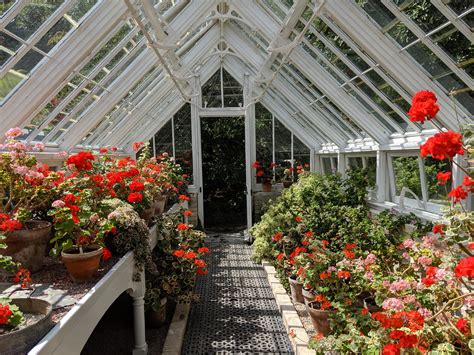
x,y
236,177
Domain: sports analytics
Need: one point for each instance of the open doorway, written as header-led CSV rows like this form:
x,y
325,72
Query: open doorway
x,y
223,171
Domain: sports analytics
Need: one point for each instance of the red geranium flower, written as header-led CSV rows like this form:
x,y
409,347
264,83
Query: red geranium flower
x,y
81,160
343,274
182,227
391,349
458,194
190,255
103,150
424,106
350,246
179,253
325,243
280,256
136,185
187,213
470,246
469,183
348,254
277,236
200,263
325,305
443,177
443,145
134,197
465,267
462,325
396,334
201,272
428,281
364,311
203,250
137,145
309,234
183,198
106,254
438,228
408,341
298,219
10,225
324,275
5,314
23,277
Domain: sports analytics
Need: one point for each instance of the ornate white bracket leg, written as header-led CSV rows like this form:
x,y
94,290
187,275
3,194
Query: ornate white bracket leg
x,y
141,347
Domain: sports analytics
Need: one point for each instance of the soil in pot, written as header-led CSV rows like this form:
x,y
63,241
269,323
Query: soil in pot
x,y
82,266
296,289
29,245
319,318
37,323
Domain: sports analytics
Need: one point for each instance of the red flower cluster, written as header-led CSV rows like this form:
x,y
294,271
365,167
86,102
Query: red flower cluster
x,y
106,254
423,106
298,219
179,253
183,198
277,236
182,227
9,225
187,213
457,194
5,314
465,267
407,319
200,263
443,177
71,202
324,303
309,234
406,341
343,274
190,255
438,228
136,146
23,277
462,325
443,145
203,250
136,185
324,275
430,278
134,197
81,160
348,254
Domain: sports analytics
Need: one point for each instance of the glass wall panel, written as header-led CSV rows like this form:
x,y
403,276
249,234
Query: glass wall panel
x,y
183,151
436,193
407,174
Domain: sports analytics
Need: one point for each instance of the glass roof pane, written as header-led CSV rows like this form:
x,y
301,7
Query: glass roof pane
x,y
5,6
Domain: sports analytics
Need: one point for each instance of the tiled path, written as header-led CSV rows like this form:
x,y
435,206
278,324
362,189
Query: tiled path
x,y
237,313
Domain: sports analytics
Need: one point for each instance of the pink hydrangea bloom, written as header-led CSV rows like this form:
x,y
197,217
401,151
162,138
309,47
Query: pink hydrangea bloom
x,y
13,132
408,244
58,204
426,313
393,304
399,285
425,260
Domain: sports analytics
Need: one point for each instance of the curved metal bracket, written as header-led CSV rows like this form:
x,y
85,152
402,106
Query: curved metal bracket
x,y
405,189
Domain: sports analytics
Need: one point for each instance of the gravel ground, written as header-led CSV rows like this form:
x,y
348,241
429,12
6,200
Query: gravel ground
x,y
305,319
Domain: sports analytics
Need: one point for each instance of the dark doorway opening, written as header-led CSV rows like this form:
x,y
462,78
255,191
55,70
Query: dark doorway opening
x,y
223,171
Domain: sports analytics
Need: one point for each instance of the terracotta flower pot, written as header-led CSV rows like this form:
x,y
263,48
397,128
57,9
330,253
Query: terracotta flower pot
x,y
319,318
159,204
296,289
147,215
82,266
308,296
155,318
29,246
267,187
22,340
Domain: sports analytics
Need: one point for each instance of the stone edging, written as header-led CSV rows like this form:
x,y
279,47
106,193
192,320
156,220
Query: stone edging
x,y
288,312
174,338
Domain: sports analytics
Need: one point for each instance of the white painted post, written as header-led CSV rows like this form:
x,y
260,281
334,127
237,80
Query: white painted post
x,y
381,177
141,347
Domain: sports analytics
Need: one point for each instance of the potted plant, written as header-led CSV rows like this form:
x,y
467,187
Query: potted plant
x,y
79,234
264,174
26,189
288,177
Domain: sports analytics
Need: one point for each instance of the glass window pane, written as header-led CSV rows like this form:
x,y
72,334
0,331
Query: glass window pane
x,y
263,134
8,47
233,94
183,139
282,148
5,6
32,16
327,169
164,140
371,166
436,193
54,35
211,91
80,8
355,162
407,174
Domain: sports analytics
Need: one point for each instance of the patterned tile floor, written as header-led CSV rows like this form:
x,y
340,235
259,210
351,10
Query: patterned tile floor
x,y
237,313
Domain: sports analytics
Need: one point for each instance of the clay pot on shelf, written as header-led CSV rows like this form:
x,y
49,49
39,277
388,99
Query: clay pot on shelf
x,y
29,245
266,186
319,318
82,266
156,316
147,215
308,296
21,340
159,204
296,289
